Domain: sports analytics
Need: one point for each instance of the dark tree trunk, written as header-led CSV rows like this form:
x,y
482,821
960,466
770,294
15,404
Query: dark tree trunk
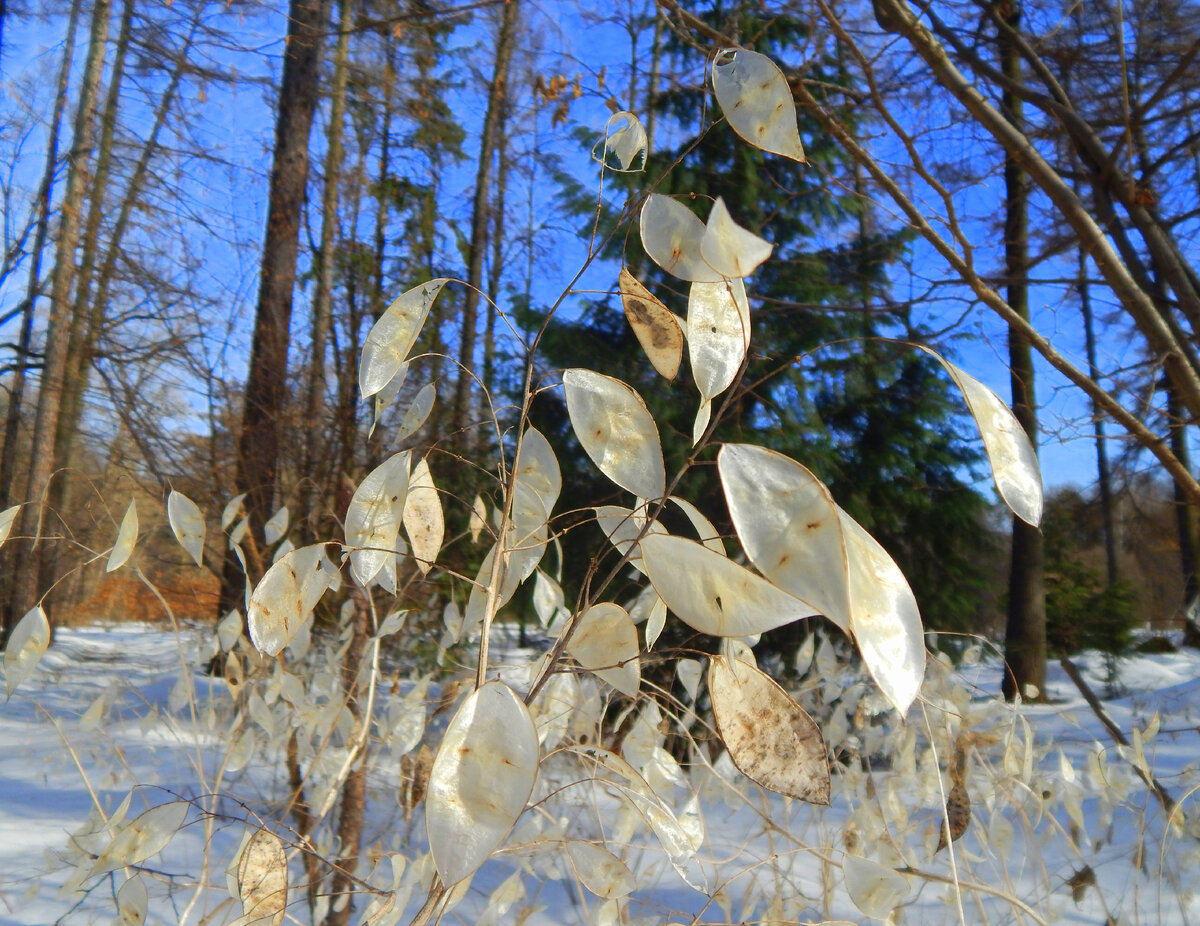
x,y
1177,420
266,384
496,270
1103,467
1025,638
1083,287
16,394
1185,512
312,491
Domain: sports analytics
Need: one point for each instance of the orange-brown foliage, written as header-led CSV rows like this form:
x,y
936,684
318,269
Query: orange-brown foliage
x,y
123,597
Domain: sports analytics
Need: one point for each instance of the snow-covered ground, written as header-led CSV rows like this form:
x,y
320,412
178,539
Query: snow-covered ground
x,y
1062,829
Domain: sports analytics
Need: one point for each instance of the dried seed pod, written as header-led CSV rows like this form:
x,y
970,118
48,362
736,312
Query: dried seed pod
x,y
1080,882
414,773
958,814
769,736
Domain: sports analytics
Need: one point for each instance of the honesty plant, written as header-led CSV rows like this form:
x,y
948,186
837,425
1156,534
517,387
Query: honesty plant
x,y
799,555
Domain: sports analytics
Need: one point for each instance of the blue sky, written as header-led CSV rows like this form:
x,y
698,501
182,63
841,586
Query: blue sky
x,y
235,122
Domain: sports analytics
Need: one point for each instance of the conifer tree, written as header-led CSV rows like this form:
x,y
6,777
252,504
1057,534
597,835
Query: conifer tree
x,y
825,383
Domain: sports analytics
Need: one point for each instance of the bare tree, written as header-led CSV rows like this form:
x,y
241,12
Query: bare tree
x,y
322,310
481,211
1128,237
24,591
45,197
80,339
266,384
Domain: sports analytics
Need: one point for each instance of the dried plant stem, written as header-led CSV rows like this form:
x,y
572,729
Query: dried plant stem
x,y
1157,787
437,893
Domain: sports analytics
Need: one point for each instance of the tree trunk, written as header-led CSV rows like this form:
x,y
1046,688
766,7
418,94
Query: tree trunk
x,y
25,588
96,307
346,437
496,270
423,247
655,78
1103,468
322,312
82,336
384,165
1025,639
354,791
16,392
266,384
1083,287
488,141
80,342
1186,521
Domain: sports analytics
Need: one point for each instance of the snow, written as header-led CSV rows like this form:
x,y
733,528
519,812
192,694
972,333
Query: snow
x,y
122,711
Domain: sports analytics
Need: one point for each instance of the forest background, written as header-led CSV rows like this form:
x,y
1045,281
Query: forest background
x,y
206,206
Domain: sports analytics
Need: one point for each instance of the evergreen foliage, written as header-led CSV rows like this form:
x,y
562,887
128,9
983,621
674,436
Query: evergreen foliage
x,y
1083,611
824,383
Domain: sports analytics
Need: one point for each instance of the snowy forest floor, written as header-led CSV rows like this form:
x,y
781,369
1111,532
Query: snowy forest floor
x,y
1062,828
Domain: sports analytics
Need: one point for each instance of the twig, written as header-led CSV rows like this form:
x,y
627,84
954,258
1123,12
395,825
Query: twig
x,y
1160,791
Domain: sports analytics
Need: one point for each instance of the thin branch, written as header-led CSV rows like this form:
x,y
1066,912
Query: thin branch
x,y
1156,786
